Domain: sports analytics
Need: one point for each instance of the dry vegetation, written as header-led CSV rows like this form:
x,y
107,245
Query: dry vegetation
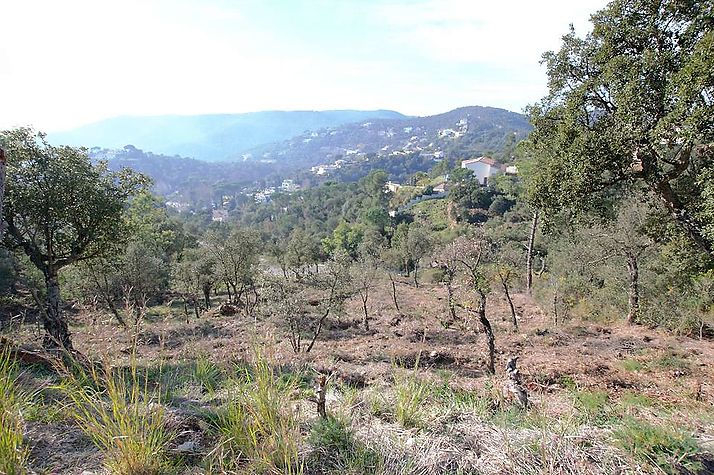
x,y
226,394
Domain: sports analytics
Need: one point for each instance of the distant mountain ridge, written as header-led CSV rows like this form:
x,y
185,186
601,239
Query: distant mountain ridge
x,y
461,133
211,137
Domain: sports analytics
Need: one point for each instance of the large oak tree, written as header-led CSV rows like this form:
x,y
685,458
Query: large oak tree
x,y
631,106
61,209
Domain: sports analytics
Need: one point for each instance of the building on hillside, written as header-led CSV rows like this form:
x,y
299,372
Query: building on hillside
x,y
219,215
512,170
289,186
393,187
483,168
440,188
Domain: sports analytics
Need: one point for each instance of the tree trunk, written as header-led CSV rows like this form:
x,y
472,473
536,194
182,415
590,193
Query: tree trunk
x,y
529,256
57,333
450,300
207,295
394,292
682,216
416,272
504,282
489,332
634,290
230,296
555,303
365,296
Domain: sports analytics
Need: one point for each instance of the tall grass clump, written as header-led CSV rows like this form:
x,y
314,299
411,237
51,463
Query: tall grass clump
x,y
259,432
122,416
13,453
410,395
668,449
335,449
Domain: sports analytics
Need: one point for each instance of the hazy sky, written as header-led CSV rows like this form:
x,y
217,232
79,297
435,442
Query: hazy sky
x,y
65,63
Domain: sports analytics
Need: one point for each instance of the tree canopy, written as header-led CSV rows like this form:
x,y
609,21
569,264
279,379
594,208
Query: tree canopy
x,y
630,107
61,209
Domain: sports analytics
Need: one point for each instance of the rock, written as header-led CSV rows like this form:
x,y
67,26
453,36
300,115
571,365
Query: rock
x,y
187,447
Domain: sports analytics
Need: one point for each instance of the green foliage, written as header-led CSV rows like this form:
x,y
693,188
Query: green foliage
x,y
14,453
61,208
663,447
629,108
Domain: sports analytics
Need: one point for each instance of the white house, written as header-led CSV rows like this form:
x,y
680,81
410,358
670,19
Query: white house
x,y
483,168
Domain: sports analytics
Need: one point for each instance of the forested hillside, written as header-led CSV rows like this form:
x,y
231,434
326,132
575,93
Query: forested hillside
x,y
556,317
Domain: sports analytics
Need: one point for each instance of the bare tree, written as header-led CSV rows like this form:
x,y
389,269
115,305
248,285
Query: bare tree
x,y
448,259
474,251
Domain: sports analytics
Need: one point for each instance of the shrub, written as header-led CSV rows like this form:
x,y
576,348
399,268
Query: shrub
x,y
410,394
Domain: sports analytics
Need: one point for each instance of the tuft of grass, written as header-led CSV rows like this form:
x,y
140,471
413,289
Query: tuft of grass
x,y
122,416
593,406
335,449
13,452
259,433
666,448
631,365
207,374
410,395
672,361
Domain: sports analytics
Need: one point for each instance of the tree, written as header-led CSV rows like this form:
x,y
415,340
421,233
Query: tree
x,y
473,252
60,209
630,106
411,242
627,238
236,256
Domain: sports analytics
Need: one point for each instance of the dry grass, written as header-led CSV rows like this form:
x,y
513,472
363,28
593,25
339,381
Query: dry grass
x,y
13,452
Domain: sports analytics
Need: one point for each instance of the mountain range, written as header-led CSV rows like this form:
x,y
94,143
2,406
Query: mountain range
x,y
212,137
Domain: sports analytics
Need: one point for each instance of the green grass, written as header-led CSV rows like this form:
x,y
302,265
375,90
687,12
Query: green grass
x,y
259,433
410,395
122,416
13,452
672,361
659,446
631,365
207,374
593,406
336,450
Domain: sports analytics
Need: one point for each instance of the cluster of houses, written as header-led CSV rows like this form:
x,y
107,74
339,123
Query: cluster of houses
x,y
482,167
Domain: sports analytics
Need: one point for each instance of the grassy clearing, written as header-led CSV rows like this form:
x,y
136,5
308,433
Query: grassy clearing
x,y
13,453
122,416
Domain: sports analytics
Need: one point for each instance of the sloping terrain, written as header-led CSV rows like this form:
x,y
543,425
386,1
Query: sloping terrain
x,y
412,396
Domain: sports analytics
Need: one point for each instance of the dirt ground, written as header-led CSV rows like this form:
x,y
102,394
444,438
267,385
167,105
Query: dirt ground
x,y
613,357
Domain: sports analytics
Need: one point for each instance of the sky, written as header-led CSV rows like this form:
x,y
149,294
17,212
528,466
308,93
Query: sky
x,y
71,62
